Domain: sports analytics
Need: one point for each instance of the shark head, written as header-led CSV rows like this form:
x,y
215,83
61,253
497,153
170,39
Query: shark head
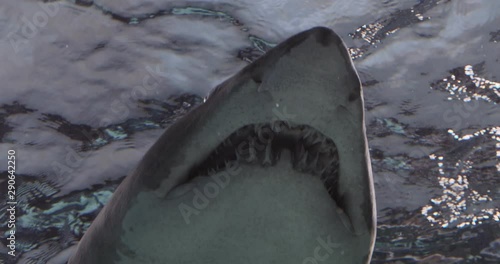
x,y
273,167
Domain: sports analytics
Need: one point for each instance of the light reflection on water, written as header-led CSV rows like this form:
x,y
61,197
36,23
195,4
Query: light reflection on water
x,y
89,90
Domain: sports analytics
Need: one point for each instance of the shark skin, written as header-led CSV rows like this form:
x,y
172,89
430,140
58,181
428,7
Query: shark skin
x,y
311,181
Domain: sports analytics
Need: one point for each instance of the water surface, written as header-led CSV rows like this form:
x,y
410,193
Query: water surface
x,y
88,87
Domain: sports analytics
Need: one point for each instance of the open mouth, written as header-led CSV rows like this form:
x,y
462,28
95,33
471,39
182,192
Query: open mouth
x,y
262,144
181,206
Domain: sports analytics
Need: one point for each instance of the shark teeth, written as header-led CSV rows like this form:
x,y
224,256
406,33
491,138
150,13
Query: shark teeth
x,y
252,151
227,142
259,144
267,156
314,163
331,101
299,152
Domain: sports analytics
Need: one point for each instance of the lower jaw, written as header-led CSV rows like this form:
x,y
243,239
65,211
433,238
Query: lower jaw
x,y
274,214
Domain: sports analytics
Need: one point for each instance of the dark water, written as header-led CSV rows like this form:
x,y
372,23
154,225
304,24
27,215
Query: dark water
x,y
88,86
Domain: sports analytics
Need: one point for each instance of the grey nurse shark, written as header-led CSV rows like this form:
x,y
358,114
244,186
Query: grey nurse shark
x,y
272,168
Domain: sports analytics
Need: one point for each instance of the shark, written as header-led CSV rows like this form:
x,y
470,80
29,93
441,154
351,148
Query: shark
x,y
272,168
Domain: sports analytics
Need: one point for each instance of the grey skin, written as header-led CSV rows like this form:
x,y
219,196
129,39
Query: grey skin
x,y
272,168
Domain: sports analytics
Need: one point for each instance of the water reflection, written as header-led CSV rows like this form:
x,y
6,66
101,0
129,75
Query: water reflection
x,y
464,84
453,207
79,107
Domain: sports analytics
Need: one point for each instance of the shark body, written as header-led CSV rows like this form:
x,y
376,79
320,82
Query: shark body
x,y
272,168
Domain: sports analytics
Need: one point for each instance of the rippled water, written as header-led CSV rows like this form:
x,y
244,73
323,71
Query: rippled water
x,y
88,86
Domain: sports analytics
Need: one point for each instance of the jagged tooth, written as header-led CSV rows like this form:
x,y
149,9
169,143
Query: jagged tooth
x,y
211,172
238,156
257,128
303,161
275,127
287,124
251,151
327,149
308,133
334,162
267,155
226,164
322,149
265,135
318,170
321,171
258,145
299,151
318,139
227,142
331,171
314,163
